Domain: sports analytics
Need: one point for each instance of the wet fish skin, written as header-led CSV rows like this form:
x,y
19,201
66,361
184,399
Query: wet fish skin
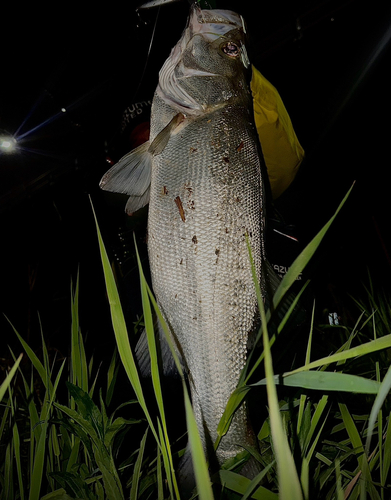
x,y
206,195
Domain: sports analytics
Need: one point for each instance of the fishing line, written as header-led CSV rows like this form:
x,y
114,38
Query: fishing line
x,y
148,56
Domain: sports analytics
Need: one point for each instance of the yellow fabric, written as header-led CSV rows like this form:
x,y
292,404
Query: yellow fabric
x,y
281,148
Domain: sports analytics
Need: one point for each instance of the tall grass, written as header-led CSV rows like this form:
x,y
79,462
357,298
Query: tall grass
x,y
326,434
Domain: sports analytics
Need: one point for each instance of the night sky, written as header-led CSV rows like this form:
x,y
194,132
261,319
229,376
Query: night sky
x,y
67,76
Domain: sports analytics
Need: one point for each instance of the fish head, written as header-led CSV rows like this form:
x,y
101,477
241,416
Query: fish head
x,y
208,67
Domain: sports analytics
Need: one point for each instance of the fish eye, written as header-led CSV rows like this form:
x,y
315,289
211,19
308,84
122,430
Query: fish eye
x,y
231,49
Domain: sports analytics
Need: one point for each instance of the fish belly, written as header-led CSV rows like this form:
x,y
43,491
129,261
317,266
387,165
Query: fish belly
x,y
206,196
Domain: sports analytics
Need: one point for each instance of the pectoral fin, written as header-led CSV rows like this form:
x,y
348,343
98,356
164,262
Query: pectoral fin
x,y
131,175
162,138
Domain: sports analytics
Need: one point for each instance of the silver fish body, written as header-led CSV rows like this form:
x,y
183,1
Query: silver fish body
x,y
206,195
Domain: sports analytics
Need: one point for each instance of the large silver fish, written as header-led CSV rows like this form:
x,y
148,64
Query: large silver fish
x,y
201,174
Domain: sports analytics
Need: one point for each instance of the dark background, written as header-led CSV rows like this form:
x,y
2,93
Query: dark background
x,y
328,59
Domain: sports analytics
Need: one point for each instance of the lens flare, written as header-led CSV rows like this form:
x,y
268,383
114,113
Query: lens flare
x,y
7,143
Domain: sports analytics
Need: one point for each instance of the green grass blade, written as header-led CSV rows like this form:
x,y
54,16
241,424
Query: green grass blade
x,y
8,492
34,359
326,381
340,493
351,429
305,477
137,468
120,330
288,480
355,439
303,397
360,350
39,457
16,447
204,486
4,386
315,422
311,450
253,486
170,475
305,256
73,457
234,402
4,419
241,484
19,472
384,390
149,328
159,476
111,377
76,368
387,450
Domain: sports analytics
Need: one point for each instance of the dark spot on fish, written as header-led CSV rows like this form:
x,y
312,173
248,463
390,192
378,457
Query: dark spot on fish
x,y
193,150
180,208
237,199
181,262
226,159
194,240
195,317
165,190
217,252
190,204
240,147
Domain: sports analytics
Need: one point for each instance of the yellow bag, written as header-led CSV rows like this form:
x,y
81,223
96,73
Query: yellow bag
x,y
282,151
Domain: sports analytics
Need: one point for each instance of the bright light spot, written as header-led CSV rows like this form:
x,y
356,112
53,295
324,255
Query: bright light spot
x,y
63,110
7,143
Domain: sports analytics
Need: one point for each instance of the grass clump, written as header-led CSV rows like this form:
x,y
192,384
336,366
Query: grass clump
x,y
324,430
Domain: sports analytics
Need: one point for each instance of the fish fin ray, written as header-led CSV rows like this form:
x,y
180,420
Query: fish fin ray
x,y
144,360
142,355
162,138
131,175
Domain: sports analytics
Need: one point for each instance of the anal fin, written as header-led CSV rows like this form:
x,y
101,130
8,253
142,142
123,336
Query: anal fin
x,y
167,359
